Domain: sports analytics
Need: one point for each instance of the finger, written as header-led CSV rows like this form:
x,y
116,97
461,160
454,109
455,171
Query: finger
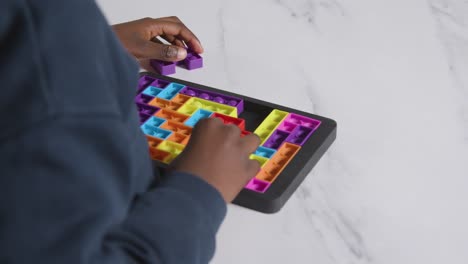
x,y
179,43
232,131
158,40
146,65
177,20
174,40
206,124
250,143
253,167
169,40
158,51
179,30
171,18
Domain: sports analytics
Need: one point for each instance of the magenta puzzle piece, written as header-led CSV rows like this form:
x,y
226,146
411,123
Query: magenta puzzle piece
x,y
303,128
302,120
257,185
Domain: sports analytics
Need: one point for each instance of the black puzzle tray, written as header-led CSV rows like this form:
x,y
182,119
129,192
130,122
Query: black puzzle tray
x,y
293,141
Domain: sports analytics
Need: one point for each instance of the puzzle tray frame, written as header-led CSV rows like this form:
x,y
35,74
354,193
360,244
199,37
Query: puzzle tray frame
x,y
280,191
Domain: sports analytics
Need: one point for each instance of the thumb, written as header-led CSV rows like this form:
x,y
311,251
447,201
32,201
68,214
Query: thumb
x,y
163,52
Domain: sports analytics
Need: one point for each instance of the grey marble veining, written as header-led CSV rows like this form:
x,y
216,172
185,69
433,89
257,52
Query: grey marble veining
x,y
451,17
394,74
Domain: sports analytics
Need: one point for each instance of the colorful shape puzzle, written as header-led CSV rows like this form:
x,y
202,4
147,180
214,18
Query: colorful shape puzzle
x,y
191,62
169,111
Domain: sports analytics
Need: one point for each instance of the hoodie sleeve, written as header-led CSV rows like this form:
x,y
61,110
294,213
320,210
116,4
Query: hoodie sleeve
x,y
74,173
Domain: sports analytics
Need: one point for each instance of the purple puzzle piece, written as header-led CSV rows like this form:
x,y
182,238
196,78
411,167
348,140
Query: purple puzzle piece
x,y
299,135
143,117
276,139
146,109
143,99
192,61
303,126
163,67
144,82
159,83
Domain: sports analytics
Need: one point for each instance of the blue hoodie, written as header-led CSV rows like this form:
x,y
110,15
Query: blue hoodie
x,y
76,181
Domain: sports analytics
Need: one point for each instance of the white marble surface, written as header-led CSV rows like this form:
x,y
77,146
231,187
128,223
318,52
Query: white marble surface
x,y
394,75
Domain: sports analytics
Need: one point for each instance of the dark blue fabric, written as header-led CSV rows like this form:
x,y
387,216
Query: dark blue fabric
x,y
75,175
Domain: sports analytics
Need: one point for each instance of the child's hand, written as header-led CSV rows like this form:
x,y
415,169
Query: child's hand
x,y
218,154
139,38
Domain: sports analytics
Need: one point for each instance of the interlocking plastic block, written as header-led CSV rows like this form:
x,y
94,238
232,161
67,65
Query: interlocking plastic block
x,y
300,135
162,103
271,122
285,153
177,127
257,185
143,99
170,91
278,162
143,117
260,159
187,109
178,138
180,98
143,82
197,116
174,148
239,122
147,109
155,121
302,120
192,61
215,97
152,91
159,83
275,140
292,142
160,155
245,133
153,142
163,67
287,126
172,115
265,152
195,103
155,131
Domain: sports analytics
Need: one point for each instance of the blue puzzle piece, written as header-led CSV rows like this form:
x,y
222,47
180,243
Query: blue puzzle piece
x,y
152,91
155,131
170,91
197,116
265,152
155,121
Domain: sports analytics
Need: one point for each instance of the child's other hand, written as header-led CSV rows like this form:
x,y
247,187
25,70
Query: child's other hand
x,y
139,38
218,154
